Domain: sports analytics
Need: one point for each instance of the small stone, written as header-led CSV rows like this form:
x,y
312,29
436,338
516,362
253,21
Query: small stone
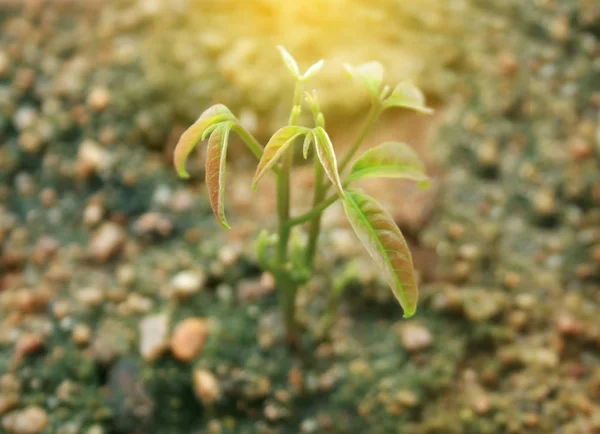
x,y
407,398
512,280
154,340
4,64
508,64
107,241
544,203
568,326
206,386
81,334
126,275
456,231
30,142
487,154
138,304
24,79
31,420
188,283
596,254
92,214
27,344
228,255
91,158
254,289
98,99
8,401
580,150
90,296
415,336
188,338
481,304
153,223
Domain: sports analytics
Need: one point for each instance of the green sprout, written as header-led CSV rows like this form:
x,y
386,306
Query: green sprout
x,y
284,255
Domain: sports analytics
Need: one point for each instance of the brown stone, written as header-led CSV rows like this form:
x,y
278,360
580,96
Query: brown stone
x,y
188,338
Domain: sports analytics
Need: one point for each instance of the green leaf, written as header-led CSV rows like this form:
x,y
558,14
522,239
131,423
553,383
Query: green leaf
x,y
409,96
188,140
307,142
370,74
277,145
389,160
326,155
216,159
383,240
290,62
313,70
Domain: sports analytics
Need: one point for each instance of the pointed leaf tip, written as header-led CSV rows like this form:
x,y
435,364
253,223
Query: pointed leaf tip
x,y
308,139
378,233
216,159
289,62
389,160
326,155
370,74
313,70
275,148
188,140
407,95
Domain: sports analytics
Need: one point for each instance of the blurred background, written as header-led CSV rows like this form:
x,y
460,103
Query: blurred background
x,y
124,308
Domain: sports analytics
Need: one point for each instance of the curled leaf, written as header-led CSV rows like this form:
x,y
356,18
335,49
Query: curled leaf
x,y
383,240
213,115
277,145
308,139
290,62
370,74
326,155
313,70
409,96
389,160
216,159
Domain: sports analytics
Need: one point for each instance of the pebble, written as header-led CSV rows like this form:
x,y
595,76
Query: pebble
x,y
92,214
27,344
90,296
4,64
481,304
187,283
81,334
415,336
91,159
206,386
153,223
154,336
31,420
98,99
126,275
254,289
8,401
107,241
188,338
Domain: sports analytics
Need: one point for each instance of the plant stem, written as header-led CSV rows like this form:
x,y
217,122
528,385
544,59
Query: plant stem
x,y
249,139
315,225
286,285
314,211
374,113
321,190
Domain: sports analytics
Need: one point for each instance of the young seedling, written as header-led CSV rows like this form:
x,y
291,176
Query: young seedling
x,y
291,262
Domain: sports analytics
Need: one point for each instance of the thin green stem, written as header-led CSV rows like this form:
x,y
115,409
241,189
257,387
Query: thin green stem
x,y
321,190
315,225
287,286
374,113
303,218
249,139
